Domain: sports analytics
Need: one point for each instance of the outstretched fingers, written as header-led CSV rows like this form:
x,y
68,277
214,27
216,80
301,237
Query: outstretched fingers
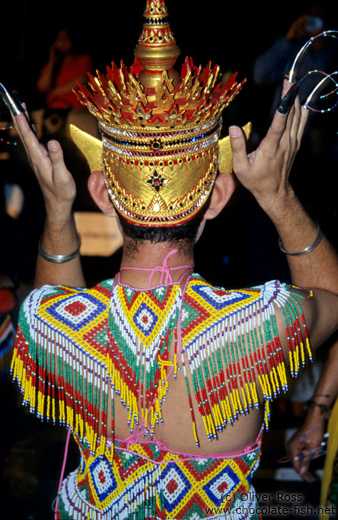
x,y
297,115
34,150
61,177
56,182
302,124
240,159
275,134
57,162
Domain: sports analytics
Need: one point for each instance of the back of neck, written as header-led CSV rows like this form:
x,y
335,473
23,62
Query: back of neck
x,y
157,264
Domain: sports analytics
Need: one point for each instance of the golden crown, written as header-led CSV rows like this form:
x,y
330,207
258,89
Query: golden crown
x,y
160,129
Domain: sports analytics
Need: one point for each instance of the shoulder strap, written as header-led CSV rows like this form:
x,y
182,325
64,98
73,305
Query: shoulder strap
x,y
62,474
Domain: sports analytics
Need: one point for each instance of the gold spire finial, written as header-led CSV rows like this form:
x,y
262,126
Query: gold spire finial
x,y
156,50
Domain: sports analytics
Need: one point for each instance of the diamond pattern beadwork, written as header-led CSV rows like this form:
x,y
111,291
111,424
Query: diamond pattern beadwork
x,y
72,342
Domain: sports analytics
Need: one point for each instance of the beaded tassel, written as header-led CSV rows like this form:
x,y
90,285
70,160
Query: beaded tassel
x,y
228,345
141,325
227,358
50,366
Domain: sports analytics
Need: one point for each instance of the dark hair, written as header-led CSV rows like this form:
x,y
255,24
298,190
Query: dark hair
x,y
184,232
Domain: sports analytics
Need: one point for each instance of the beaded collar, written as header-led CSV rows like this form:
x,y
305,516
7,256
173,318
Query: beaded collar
x,y
143,324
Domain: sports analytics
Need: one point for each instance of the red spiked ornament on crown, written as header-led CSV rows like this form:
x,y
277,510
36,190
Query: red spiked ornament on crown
x,y
160,129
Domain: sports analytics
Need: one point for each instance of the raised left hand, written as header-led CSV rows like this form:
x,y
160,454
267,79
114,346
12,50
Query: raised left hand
x,y
56,182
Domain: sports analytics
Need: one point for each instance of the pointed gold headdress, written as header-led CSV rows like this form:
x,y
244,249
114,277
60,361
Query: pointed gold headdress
x,y
160,129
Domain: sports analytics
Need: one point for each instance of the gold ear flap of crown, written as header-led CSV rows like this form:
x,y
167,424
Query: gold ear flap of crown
x,y
90,146
225,153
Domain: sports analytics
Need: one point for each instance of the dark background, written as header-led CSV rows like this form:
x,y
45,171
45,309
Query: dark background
x,y
230,34
243,242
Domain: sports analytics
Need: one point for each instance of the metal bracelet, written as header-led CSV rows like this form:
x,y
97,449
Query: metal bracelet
x,y
308,249
324,409
59,259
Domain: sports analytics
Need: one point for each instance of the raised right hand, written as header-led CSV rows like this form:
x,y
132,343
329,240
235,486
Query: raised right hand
x,y
265,172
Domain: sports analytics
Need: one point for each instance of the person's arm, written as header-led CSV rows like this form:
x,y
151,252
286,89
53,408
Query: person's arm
x,y
59,191
265,173
306,444
45,80
269,65
69,86
78,67
275,61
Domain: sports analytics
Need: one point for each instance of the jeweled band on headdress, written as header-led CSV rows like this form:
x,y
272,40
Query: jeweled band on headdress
x,y
160,130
